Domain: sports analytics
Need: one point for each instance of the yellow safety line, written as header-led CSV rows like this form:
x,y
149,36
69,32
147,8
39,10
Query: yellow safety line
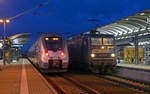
x,y
24,84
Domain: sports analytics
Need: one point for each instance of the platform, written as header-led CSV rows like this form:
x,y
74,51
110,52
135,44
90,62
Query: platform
x,y
23,78
135,66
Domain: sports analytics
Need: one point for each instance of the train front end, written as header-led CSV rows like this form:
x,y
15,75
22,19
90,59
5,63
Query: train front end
x,y
102,56
54,56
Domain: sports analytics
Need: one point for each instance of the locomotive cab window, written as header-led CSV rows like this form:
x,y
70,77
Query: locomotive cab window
x,y
96,41
107,41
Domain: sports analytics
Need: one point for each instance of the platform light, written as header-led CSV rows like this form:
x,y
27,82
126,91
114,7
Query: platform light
x,y
7,21
4,21
1,20
1,45
4,24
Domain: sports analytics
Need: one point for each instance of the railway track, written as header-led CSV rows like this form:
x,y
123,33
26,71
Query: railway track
x,y
130,83
65,85
77,83
88,84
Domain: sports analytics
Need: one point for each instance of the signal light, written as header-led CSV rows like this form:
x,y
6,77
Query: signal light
x,y
62,53
46,38
46,53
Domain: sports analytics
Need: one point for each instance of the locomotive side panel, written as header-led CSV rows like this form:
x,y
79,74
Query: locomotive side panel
x,y
75,50
84,54
94,53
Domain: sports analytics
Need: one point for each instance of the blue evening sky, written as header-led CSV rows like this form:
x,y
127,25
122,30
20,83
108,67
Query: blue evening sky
x,y
66,15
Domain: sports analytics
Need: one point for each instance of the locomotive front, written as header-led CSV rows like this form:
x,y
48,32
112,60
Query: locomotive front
x,y
102,56
54,54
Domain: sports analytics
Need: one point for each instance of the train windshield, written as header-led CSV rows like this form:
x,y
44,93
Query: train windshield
x,y
107,41
96,41
101,41
54,43
102,45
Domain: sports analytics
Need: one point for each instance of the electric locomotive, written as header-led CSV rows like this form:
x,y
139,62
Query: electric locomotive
x,y
92,52
50,53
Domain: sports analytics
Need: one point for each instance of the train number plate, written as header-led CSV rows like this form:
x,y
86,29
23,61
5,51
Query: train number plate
x,y
56,61
55,57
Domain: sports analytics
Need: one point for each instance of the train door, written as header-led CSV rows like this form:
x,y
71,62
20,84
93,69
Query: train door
x,y
84,52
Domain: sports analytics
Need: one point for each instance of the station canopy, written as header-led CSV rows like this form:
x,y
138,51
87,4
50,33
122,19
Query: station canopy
x,y
20,39
126,29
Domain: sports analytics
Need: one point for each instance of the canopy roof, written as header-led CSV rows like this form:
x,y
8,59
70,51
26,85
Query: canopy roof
x,y
137,24
20,39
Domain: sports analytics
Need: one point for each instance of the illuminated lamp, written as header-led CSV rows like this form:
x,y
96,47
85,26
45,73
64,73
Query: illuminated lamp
x,y
46,53
55,39
1,45
62,53
46,38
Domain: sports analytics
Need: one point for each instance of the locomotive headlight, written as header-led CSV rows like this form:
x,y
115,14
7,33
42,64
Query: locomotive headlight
x,y
112,55
92,55
102,47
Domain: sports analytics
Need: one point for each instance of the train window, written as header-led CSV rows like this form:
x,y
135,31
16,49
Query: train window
x,y
96,41
107,41
54,43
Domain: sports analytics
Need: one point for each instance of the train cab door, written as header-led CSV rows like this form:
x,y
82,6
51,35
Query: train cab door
x,y
84,52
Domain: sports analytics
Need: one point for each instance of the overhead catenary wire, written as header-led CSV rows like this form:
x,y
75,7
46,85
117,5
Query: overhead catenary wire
x,y
27,11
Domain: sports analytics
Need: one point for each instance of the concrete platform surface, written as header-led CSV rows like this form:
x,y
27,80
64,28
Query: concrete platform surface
x,y
136,66
23,78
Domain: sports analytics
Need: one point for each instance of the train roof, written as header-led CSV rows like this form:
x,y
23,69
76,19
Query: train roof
x,y
98,35
51,34
91,35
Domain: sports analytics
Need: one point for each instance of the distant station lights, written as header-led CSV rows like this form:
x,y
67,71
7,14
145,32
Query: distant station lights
x,y
142,14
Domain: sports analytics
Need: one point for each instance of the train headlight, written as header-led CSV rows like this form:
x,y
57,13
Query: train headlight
x,y
102,47
112,55
92,55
